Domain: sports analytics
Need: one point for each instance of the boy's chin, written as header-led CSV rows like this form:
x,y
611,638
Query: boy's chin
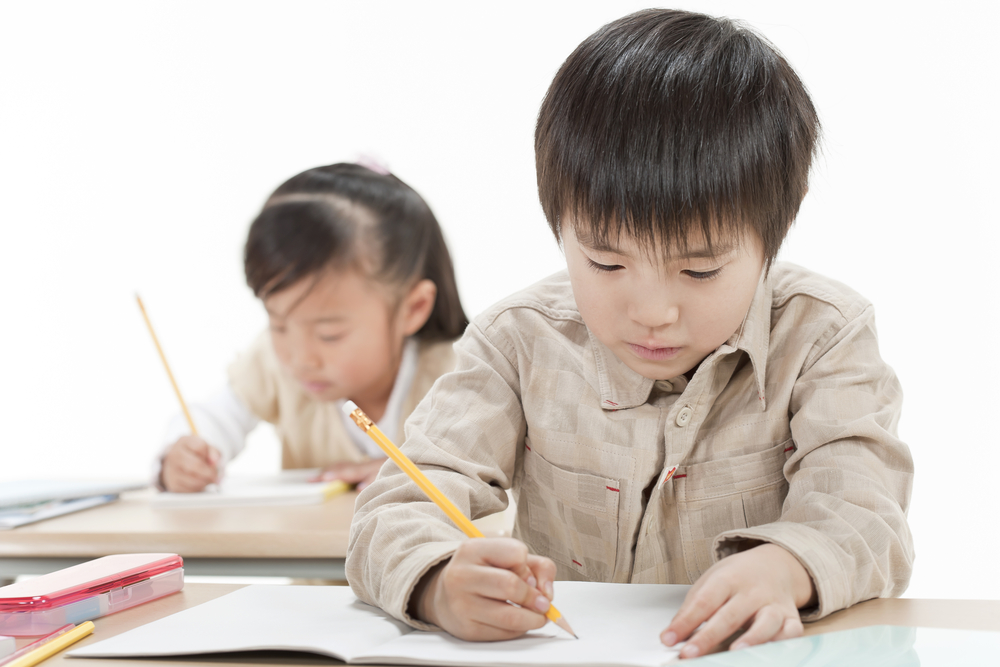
x,y
656,370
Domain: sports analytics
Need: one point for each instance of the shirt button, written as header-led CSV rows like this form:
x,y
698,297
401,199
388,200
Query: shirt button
x,y
684,416
664,385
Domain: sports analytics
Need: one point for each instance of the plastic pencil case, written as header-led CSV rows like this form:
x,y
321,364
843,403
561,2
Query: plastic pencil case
x,y
86,591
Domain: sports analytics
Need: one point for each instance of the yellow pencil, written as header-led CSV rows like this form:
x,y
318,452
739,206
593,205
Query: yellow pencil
x,y
163,358
335,488
50,648
427,486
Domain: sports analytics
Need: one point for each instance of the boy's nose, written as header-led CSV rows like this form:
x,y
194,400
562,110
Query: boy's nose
x,y
652,313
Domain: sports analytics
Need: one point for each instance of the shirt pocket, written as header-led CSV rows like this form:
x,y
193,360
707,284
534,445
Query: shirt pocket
x,y
572,518
728,494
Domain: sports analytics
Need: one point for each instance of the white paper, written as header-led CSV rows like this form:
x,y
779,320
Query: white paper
x,y
618,624
28,492
12,518
327,620
290,487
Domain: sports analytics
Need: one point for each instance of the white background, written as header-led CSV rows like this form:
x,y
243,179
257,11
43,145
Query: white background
x,y
138,140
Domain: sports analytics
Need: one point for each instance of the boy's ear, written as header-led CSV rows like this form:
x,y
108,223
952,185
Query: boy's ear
x,y
417,306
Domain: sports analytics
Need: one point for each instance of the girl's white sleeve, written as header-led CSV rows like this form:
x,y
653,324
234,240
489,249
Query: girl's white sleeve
x,y
223,421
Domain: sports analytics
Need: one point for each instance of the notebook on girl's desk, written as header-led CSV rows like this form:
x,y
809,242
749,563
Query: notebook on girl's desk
x,y
289,487
618,624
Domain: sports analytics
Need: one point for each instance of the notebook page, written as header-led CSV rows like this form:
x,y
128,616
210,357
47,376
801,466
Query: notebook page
x,y
289,487
618,624
328,620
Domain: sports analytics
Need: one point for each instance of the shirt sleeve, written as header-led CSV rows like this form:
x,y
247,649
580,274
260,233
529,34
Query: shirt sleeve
x,y
224,421
850,477
464,436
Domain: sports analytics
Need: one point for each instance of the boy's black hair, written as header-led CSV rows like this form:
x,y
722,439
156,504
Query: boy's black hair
x,y
667,119
346,215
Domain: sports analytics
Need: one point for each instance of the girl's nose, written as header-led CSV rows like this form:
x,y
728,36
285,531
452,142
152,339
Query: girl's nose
x,y
305,357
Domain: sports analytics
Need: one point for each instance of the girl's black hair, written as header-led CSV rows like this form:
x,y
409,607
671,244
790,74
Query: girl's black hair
x,y
346,215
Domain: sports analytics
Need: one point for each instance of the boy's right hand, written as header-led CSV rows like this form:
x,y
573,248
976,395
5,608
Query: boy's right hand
x,y
190,465
469,596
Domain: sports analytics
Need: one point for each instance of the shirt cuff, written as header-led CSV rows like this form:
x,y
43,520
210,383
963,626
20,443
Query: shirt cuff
x,y
814,550
407,574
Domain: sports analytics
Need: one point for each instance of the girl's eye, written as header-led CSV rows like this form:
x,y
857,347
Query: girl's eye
x,y
331,339
277,328
704,275
604,268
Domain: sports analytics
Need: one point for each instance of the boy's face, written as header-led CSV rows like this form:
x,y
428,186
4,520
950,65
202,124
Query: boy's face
x,y
662,317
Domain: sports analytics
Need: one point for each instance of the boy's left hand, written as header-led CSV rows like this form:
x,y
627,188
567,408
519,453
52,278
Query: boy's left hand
x,y
763,588
362,474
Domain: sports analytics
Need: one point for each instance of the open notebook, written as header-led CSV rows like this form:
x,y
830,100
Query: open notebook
x,y
289,487
618,624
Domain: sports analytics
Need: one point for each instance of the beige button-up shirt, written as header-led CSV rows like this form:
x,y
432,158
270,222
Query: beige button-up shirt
x,y
785,434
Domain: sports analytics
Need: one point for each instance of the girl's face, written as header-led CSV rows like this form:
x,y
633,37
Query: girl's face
x,y
341,334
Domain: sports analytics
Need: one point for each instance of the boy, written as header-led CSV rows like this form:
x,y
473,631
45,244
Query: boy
x,y
672,408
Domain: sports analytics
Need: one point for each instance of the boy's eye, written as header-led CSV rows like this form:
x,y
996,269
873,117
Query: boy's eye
x,y
604,268
703,275
331,338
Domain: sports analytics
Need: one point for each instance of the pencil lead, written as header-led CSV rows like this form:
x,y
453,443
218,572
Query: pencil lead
x,y
565,626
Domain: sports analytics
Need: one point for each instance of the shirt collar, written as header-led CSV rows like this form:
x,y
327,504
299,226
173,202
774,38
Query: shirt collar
x,y
754,335
621,387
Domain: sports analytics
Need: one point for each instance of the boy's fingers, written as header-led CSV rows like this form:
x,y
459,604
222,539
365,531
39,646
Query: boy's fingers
x,y
504,553
791,628
508,620
700,605
502,586
544,571
721,625
766,625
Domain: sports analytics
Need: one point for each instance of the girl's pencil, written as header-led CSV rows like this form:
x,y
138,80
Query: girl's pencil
x,y
163,358
427,486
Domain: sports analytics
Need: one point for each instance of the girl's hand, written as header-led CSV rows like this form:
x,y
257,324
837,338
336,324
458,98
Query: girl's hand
x,y
469,596
362,474
190,465
762,588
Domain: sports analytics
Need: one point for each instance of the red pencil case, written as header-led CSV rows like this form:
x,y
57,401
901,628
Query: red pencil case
x,y
86,591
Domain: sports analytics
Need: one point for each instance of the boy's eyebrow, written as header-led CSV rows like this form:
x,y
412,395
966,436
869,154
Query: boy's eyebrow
x,y
707,253
699,252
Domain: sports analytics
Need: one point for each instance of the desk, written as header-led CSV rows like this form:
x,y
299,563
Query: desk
x,y
960,614
303,541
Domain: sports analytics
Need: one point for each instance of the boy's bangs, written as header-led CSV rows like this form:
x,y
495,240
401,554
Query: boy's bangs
x,y
661,235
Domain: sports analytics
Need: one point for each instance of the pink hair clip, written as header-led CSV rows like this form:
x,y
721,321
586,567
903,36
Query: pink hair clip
x,y
369,162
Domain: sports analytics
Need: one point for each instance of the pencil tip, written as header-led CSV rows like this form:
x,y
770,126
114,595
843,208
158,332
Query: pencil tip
x,y
565,626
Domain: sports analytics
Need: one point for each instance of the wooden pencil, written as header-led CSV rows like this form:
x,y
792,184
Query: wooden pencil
x,y
166,366
427,486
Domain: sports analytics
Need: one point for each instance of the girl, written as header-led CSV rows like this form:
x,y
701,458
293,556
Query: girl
x,y
353,271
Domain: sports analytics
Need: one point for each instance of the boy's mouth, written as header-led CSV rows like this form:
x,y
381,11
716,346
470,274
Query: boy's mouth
x,y
654,354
